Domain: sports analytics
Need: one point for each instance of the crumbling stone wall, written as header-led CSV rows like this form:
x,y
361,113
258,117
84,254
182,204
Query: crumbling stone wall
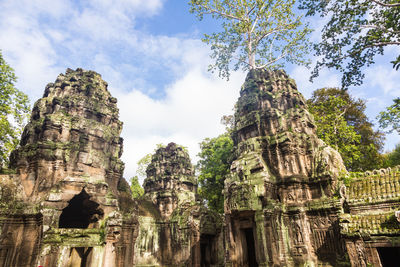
x,y
369,223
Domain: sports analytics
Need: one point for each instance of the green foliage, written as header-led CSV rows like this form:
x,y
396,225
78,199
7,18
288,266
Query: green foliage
x,y
255,34
137,190
391,117
393,157
356,32
142,165
214,166
14,109
342,123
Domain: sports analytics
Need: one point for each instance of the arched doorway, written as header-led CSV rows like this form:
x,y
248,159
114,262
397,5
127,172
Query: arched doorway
x,y
81,212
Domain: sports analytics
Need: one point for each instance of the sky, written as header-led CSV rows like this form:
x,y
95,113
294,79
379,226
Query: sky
x,y
151,55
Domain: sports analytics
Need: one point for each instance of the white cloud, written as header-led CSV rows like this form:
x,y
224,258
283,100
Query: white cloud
x,y
387,79
191,111
302,75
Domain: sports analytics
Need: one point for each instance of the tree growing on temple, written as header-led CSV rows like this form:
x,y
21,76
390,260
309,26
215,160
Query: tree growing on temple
x,y
254,34
14,109
342,123
355,33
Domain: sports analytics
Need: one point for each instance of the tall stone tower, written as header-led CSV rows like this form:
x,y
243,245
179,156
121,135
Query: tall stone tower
x,y
69,166
278,208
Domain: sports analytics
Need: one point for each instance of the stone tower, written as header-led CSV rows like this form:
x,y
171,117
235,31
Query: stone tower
x,y
175,229
170,179
69,167
278,208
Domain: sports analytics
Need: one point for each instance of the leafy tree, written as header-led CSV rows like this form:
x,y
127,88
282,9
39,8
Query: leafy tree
x,y
142,166
391,117
393,157
355,33
136,188
255,33
14,109
214,166
342,123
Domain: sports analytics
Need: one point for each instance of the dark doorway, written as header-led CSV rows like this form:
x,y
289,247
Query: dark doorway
x,y
389,256
80,212
250,247
208,256
79,257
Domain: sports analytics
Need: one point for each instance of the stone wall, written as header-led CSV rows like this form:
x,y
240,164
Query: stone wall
x,y
370,223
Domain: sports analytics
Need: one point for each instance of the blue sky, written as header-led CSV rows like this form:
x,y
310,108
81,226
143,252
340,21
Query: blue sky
x,y
150,53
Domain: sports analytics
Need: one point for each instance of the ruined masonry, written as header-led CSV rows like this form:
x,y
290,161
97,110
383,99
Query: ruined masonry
x,y
289,200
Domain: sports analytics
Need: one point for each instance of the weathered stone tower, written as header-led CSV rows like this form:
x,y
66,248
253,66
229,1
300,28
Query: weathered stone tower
x,y
175,229
71,175
278,199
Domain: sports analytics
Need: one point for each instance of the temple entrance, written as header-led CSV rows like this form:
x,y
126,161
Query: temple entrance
x,y
389,256
79,257
248,247
81,212
208,256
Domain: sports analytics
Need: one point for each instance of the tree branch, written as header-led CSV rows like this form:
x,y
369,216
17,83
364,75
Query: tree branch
x,y
368,26
271,61
384,4
214,11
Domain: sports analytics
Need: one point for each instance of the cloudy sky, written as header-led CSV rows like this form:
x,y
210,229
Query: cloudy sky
x,y
150,53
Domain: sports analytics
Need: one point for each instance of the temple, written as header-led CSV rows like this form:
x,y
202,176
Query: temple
x,y
289,200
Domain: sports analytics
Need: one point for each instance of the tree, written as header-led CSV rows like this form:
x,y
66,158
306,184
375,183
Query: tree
x,y
342,123
142,166
14,109
255,33
213,166
393,157
355,33
391,117
136,188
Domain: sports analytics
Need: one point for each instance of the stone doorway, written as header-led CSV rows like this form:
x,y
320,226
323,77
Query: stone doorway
x,y
79,257
389,256
81,212
248,247
207,253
